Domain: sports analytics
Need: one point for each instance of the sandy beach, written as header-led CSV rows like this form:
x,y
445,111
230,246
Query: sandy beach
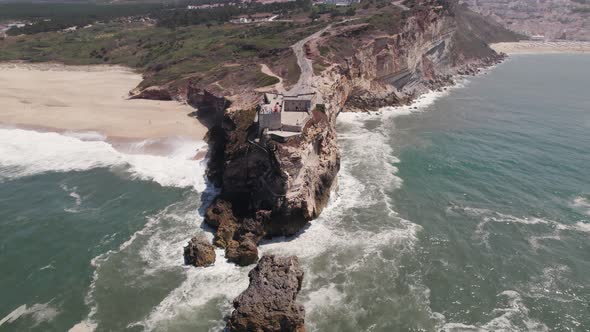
x,y
540,47
88,98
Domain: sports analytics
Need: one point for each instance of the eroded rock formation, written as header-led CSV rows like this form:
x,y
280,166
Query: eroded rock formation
x,y
269,303
394,65
199,252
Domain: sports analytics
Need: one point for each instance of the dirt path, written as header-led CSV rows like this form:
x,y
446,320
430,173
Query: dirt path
x,y
279,87
304,84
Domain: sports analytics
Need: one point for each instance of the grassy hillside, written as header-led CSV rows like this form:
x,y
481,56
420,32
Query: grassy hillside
x,y
163,54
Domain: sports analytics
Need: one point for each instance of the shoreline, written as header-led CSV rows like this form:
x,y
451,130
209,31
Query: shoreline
x,y
55,97
542,47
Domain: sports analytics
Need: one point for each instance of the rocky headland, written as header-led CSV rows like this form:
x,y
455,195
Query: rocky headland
x,y
274,188
378,53
271,188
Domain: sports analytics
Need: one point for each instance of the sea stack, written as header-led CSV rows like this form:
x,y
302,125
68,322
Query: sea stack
x,y
268,304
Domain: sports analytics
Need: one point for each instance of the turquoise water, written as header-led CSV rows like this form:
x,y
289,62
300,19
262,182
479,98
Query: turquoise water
x,y
54,225
469,213
89,236
498,176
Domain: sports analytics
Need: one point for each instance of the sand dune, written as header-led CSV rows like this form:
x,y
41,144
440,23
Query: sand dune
x,y
88,98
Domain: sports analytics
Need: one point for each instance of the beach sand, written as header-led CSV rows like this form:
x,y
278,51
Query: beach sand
x,y
88,98
541,47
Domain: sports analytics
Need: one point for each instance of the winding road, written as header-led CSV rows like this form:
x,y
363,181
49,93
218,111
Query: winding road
x,y
304,85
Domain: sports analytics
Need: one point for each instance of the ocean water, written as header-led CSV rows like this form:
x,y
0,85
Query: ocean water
x,y
469,211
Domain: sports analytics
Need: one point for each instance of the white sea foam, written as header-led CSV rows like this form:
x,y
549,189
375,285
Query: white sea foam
x,y
25,153
580,226
537,241
164,236
73,194
201,285
46,267
222,280
489,215
582,204
512,315
86,135
552,229
39,312
328,296
159,244
550,285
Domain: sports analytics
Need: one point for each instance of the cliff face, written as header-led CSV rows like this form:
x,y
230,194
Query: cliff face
x,y
271,188
434,44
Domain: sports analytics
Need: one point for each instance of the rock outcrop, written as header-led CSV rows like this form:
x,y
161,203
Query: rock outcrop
x,y
199,252
269,303
269,188
238,237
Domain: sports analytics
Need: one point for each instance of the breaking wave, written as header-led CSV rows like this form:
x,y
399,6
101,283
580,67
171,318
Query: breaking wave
x,y
25,153
512,315
39,312
546,229
581,204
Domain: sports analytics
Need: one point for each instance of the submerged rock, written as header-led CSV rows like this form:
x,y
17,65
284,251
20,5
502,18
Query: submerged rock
x,y
268,304
199,252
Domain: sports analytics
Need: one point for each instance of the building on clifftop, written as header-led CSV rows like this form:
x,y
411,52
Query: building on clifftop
x,y
284,116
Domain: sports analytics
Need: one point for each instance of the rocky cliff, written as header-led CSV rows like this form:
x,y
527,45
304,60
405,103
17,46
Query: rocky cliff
x,y
436,41
271,188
